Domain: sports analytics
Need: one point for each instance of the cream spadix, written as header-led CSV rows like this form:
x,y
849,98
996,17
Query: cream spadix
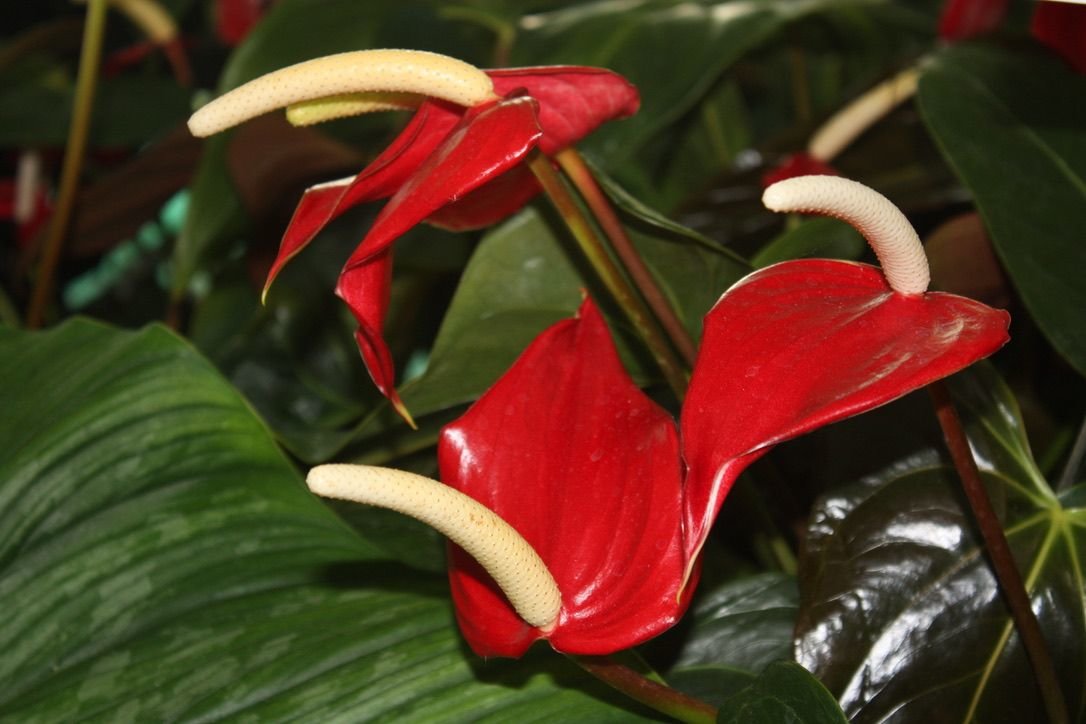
x,y
886,229
507,557
363,71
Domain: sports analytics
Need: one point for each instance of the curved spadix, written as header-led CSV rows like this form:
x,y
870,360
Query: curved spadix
x,y
364,71
500,550
886,229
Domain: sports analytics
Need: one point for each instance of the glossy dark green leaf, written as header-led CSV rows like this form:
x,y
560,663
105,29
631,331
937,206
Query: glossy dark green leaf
x,y
1032,191
161,560
785,693
900,615
745,624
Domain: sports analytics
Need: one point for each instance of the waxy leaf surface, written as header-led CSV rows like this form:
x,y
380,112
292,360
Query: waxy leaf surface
x,y
1032,193
801,344
567,450
900,615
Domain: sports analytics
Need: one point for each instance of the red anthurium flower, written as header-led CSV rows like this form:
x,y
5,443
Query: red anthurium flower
x,y
565,495
806,343
456,163
572,454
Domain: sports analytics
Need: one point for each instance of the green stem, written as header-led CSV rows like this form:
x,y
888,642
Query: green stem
x,y
999,553
617,285
93,32
1074,460
660,697
585,181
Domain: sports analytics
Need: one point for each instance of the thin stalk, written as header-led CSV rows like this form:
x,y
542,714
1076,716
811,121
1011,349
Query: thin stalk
x,y
617,285
999,553
662,698
86,84
584,180
1074,460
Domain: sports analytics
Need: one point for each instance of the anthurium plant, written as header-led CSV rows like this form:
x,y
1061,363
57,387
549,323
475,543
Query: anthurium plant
x,y
730,367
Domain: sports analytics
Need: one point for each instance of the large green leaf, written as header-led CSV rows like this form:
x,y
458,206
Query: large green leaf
x,y
1011,125
900,615
161,560
785,693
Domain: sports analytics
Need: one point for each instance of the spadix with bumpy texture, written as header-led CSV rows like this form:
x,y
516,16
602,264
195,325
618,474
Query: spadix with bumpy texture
x,y
399,71
886,229
498,548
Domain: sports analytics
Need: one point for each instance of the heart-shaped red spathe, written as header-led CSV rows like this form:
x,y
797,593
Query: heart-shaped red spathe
x,y
802,344
567,450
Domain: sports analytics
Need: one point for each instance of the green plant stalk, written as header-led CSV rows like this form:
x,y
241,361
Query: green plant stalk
x,y
616,283
999,553
585,182
1074,460
660,697
86,84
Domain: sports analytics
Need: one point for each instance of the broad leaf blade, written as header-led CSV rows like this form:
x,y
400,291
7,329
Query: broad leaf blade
x,y
785,693
899,610
161,560
1032,193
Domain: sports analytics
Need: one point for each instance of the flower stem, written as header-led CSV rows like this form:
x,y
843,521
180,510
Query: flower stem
x,y
662,698
999,553
93,32
617,285
584,180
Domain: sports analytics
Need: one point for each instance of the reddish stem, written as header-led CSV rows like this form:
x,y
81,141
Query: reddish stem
x,y
999,553
585,181
662,698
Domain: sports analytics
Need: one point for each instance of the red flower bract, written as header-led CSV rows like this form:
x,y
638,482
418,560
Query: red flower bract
x,y
802,344
456,167
567,450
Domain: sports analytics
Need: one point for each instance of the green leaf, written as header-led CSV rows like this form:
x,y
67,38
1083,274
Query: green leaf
x,y
785,693
825,238
1032,191
900,615
745,624
161,560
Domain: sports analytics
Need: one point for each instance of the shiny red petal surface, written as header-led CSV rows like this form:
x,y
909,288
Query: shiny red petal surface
x,y
573,100
962,19
420,138
1062,27
487,142
490,203
802,344
572,454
